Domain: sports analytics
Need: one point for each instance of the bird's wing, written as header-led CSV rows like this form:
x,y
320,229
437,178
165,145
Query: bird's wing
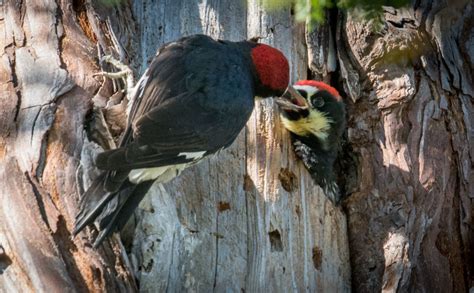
x,y
163,136
176,132
196,107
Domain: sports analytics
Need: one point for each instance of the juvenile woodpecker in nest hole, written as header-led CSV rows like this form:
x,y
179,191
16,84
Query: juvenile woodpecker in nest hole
x,y
316,120
192,101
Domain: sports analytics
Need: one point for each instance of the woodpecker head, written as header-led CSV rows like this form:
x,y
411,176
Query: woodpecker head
x,y
312,109
271,69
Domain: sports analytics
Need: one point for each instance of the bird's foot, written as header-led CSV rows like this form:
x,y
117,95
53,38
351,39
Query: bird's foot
x,y
125,71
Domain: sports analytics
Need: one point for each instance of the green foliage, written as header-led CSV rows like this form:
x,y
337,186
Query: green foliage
x,y
313,10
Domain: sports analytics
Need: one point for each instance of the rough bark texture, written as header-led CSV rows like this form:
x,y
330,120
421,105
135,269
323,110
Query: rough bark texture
x,y
248,219
47,85
410,125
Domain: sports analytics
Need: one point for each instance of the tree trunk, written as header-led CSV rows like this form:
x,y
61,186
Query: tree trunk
x,y
410,126
247,219
47,85
250,218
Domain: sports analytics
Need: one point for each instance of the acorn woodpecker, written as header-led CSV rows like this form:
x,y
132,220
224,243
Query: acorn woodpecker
x,y
316,120
192,101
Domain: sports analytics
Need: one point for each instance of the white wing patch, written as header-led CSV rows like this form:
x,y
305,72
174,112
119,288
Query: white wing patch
x,y
193,155
165,173
160,174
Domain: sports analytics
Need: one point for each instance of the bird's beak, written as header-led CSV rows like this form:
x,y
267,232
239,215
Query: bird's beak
x,y
292,101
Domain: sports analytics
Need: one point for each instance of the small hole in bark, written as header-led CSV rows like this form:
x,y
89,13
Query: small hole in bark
x,y
79,6
223,206
152,246
287,179
96,273
443,244
217,235
5,260
317,258
275,241
149,266
298,210
248,183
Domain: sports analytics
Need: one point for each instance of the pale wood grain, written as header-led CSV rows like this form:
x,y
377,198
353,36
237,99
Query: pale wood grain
x,y
210,228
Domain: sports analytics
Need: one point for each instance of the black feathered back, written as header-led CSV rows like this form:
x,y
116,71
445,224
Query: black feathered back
x,y
193,100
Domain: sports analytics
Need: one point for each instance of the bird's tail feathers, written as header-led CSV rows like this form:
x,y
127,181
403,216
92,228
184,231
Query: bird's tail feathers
x,y
91,204
118,210
110,210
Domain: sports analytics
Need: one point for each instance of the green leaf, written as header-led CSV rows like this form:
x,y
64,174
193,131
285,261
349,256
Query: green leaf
x,y
314,10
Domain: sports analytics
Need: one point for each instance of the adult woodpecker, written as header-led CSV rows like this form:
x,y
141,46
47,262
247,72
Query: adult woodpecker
x,y
192,101
316,120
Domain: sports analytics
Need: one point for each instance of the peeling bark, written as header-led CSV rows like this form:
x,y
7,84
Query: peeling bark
x,y
46,82
410,125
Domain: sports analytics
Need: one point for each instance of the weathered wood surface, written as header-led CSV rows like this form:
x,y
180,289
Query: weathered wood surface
x,y
229,224
410,212
249,218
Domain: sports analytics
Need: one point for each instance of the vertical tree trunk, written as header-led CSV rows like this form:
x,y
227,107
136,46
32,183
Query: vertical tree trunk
x,y
410,125
247,219
47,61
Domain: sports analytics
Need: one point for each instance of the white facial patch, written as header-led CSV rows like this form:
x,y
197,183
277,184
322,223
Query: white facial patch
x,y
316,123
310,90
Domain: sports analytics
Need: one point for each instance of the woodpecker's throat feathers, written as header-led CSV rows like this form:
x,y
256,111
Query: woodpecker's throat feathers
x,y
316,110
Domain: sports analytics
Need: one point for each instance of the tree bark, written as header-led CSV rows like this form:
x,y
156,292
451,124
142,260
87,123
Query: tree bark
x,y
47,61
247,219
410,84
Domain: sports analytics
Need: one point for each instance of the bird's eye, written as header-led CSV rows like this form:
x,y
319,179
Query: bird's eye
x,y
317,102
303,93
